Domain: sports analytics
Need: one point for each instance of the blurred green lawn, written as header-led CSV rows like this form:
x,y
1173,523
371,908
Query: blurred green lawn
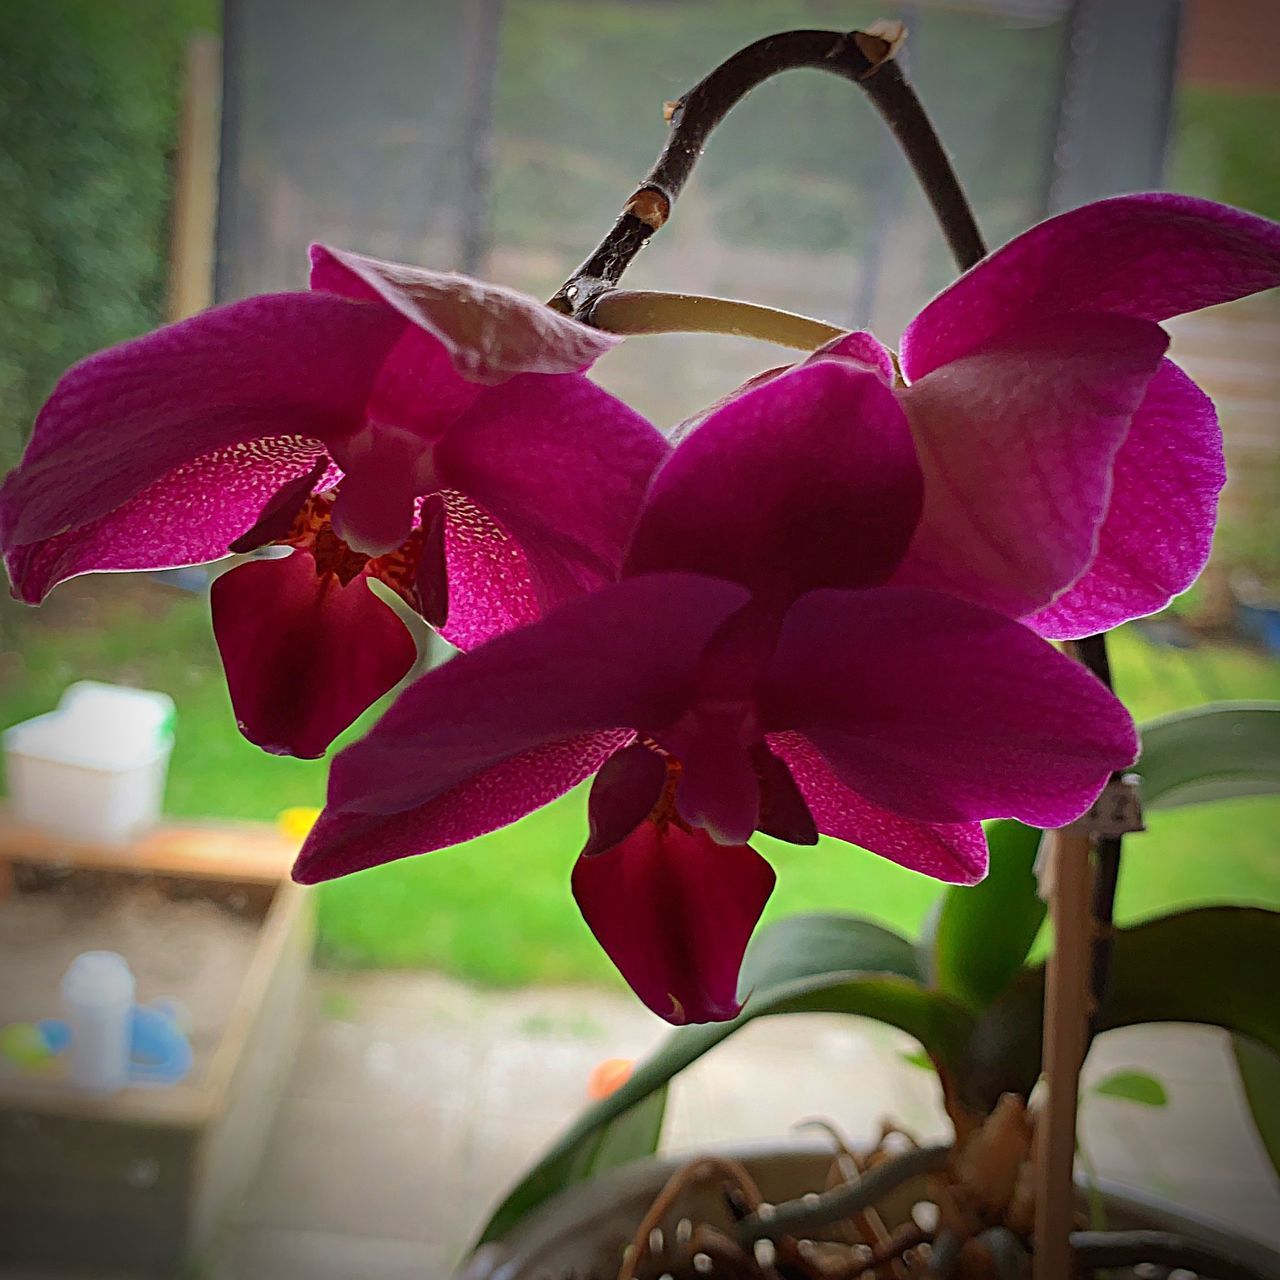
x,y
498,910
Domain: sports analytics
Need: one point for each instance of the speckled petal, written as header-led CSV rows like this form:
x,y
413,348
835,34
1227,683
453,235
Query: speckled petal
x,y
296,366
955,852
561,467
191,515
488,581
343,843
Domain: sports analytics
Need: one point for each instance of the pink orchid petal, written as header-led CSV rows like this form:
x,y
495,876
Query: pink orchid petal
x,y
675,911
624,793
1159,526
1017,442
342,843
784,812
954,852
621,658
687,426
418,393
488,581
191,515
491,332
291,366
304,655
276,519
863,350
807,480
563,467
943,711
1149,256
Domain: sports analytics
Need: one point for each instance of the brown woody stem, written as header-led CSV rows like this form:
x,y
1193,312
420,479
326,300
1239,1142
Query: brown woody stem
x,y
1092,652
864,57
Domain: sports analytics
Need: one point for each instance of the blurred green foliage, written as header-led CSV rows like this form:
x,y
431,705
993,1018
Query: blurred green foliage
x,y
1227,147
89,100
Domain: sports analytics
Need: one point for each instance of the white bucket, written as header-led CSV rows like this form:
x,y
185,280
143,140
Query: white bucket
x,y
94,769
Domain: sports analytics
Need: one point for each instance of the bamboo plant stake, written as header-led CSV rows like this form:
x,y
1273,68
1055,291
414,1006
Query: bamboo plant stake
x,y
1066,1022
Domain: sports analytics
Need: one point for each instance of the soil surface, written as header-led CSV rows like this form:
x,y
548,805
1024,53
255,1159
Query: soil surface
x,y
193,950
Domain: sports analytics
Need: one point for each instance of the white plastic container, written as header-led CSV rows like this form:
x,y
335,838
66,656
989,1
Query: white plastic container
x,y
97,1001
95,768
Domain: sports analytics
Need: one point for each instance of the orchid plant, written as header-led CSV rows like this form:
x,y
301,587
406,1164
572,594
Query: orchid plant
x,y
826,609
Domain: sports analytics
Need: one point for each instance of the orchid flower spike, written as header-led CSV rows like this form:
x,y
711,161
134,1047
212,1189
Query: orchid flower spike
x,y
1072,472
752,671
424,430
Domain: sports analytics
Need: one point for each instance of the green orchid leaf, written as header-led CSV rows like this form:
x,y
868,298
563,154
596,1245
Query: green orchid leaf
x,y
1259,1069
803,964
1211,965
1215,752
982,932
1133,1086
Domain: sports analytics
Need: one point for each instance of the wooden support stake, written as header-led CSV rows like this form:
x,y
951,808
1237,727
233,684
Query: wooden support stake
x,y
1066,1020
195,188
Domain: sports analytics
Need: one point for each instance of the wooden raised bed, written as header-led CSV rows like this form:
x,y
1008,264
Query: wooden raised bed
x,y
139,1182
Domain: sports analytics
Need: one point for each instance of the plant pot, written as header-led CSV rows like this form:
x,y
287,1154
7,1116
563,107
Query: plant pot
x,y
581,1232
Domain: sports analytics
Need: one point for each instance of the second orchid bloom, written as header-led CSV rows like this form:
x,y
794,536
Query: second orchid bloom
x,y
751,672
827,618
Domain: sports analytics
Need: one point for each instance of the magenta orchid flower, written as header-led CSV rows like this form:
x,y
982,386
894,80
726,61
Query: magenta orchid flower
x,y
1071,472
751,672
423,430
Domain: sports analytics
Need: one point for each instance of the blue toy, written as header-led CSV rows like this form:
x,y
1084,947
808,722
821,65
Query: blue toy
x,y
161,1053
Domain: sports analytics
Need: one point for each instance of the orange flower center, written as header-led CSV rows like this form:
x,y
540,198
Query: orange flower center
x,y
313,531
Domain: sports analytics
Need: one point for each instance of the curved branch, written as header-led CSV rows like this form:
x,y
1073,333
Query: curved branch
x,y
864,57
